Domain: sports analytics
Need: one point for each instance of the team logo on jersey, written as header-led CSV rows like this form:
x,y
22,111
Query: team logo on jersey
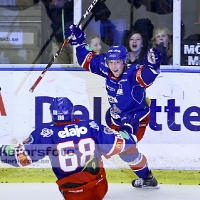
x,y
120,90
46,132
28,140
114,110
76,131
110,88
94,125
112,99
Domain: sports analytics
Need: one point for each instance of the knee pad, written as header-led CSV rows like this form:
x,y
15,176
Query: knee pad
x,y
135,160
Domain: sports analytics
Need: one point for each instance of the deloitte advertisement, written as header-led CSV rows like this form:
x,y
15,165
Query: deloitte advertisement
x,y
172,140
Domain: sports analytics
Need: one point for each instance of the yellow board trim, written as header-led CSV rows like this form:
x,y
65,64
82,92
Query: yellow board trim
x,y
45,175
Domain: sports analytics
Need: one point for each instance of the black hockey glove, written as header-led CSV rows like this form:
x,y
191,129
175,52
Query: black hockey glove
x,y
129,124
101,11
153,59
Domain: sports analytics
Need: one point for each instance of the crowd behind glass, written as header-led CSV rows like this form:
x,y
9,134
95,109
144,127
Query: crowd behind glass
x,y
137,24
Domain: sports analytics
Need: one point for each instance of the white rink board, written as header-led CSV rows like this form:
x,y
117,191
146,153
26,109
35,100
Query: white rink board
x,y
165,149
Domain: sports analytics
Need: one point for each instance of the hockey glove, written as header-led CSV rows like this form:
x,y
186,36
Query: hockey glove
x,y
129,124
78,36
163,52
161,48
153,59
100,11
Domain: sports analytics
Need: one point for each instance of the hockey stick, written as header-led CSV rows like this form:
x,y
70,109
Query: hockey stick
x,y
53,34
61,48
40,53
35,61
51,37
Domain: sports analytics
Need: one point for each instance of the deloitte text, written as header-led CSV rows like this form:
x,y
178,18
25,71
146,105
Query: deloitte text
x,y
172,111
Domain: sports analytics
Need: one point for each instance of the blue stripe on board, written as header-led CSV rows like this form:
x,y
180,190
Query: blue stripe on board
x,y
41,69
81,69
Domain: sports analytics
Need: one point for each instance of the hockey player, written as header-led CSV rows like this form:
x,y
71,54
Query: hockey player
x,y
74,148
126,88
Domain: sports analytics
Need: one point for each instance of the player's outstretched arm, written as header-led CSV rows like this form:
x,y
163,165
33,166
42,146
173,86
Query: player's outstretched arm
x,y
27,152
83,52
147,74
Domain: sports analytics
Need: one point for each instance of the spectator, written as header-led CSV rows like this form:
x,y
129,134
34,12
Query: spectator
x,y
137,47
54,10
163,42
94,42
60,13
156,6
111,36
144,26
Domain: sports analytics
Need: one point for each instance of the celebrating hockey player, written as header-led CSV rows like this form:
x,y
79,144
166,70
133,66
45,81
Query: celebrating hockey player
x,y
126,88
74,148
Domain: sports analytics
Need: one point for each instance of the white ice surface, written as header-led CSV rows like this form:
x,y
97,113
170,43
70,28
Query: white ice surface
x,y
49,191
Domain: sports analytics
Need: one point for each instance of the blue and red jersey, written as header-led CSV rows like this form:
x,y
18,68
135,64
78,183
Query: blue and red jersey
x,y
126,94
69,146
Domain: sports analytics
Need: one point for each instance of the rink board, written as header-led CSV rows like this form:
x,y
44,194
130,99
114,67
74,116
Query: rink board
x,y
171,142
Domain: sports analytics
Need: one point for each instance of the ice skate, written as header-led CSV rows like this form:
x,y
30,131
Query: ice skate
x,y
149,182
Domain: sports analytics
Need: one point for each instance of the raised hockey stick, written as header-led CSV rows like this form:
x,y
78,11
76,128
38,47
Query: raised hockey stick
x,y
90,19
51,37
53,34
41,52
61,48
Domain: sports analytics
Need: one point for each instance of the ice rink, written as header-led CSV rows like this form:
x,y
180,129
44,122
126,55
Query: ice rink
x,y
49,191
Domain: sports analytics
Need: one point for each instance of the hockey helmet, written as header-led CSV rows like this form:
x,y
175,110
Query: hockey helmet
x,y
117,53
61,109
